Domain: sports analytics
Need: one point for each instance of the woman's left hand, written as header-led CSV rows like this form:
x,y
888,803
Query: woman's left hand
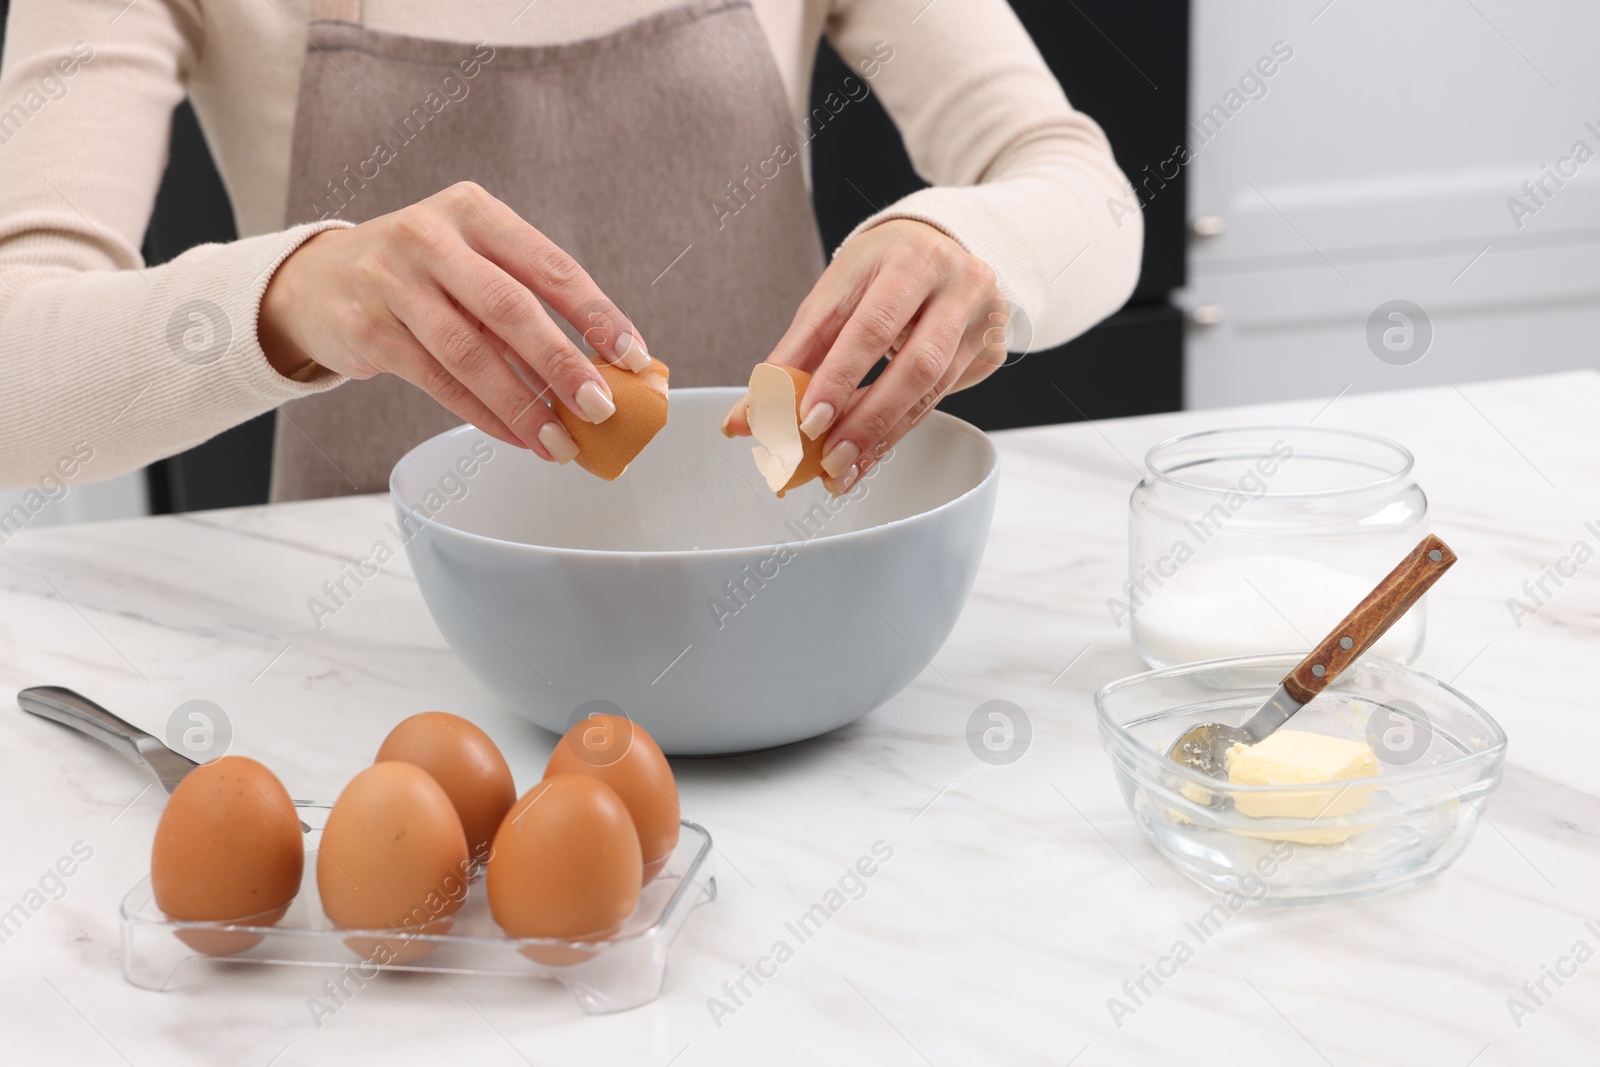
x,y
902,287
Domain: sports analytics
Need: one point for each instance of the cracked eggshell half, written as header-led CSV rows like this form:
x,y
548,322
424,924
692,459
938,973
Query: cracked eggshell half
x,y
785,457
606,448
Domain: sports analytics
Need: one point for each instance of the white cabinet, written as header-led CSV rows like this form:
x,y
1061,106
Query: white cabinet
x,y
1377,163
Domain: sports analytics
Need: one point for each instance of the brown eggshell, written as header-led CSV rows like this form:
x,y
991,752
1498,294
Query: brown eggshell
x,y
606,448
230,942
621,754
565,865
393,857
467,766
228,848
762,379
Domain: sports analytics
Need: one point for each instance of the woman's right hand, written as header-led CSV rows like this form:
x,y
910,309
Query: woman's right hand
x,y
445,293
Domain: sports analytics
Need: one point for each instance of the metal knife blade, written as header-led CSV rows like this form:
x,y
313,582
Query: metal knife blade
x,y
1205,746
1271,715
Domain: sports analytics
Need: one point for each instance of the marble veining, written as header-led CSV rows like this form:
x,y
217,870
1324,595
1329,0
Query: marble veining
x,y
1020,901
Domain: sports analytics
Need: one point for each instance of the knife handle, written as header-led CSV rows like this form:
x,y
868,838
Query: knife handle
x,y
1371,618
84,715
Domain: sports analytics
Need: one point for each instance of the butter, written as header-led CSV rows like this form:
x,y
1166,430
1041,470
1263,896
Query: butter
x,y
1294,757
1196,792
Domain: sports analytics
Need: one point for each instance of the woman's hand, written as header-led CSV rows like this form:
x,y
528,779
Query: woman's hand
x,y
902,286
445,294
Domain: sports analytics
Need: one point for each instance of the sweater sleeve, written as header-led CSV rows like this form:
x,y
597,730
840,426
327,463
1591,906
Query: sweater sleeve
x,y
98,353
1019,177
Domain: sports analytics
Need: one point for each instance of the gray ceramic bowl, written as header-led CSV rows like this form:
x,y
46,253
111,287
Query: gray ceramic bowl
x,y
715,615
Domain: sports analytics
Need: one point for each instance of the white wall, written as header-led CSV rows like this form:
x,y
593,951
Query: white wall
x,y
1378,166
120,498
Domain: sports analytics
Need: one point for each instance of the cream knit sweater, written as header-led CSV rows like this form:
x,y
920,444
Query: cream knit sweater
x,y
100,355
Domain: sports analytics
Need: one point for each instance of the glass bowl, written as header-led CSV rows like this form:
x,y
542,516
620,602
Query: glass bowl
x,y
1439,757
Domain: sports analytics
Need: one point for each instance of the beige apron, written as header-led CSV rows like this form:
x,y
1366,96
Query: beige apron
x,y
661,156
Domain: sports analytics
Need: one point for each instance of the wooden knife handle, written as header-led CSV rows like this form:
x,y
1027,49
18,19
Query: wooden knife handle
x,y
1371,618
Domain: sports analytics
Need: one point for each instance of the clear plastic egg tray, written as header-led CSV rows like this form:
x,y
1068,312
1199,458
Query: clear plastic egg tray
x,y
622,972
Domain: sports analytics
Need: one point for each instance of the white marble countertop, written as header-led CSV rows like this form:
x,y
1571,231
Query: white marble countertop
x,y
1018,898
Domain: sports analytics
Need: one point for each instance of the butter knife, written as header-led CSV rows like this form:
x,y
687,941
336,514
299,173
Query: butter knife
x,y
1205,747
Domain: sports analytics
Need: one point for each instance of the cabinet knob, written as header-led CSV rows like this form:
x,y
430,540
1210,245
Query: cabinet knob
x,y
1207,314
1207,225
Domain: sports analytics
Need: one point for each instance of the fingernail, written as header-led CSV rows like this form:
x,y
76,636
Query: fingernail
x,y
845,481
631,352
840,456
558,442
819,418
738,408
594,403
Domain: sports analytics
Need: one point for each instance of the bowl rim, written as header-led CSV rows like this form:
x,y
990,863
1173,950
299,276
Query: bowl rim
x,y
1113,734
941,417
1407,466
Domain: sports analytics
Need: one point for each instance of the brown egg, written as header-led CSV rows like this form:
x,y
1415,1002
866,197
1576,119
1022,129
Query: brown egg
x,y
565,865
228,847
621,754
606,448
393,857
465,763
785,457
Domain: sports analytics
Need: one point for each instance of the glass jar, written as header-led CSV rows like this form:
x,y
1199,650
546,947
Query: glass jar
x,y
1260,539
